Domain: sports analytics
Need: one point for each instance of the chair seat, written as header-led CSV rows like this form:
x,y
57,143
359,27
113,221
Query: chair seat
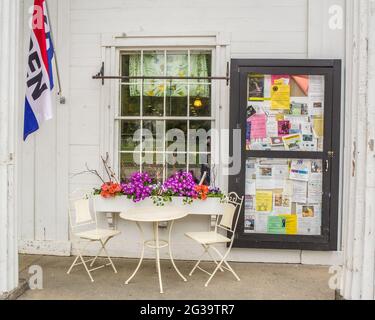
x,y
207,237
98,234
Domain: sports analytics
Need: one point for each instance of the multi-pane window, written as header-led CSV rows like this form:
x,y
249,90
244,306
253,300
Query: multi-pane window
x,y
160,116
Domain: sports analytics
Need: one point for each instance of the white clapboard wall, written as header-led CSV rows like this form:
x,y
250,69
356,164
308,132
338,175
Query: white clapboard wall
x,y
252,28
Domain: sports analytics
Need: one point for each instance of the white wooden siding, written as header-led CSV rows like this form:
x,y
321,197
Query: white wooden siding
x,y
257,29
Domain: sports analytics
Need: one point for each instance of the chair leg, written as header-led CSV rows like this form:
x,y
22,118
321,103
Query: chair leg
x,y
73,265
199,261
213,273
105,251
226,263
212,257
231,270
87,269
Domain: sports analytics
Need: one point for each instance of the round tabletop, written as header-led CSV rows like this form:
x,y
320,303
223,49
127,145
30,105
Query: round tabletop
x,y
154,214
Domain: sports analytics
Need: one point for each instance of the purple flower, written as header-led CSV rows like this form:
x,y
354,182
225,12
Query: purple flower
x,y
138,187
181,184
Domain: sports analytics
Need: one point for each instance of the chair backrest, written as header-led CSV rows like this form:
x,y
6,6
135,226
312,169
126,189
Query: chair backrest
x,y
80,213
231,213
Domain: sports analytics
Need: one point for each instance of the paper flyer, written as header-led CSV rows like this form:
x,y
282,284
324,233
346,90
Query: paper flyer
x,y
249,203
261,220
276,225
249,226
299,194
292,142
272,127
283,127
315,185
282,224
258,126
280,96
300,170
256,86
309,219
282,203
264,201
316,95
318,127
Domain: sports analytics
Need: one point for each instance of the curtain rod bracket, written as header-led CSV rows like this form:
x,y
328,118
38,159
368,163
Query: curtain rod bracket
x,y
100,74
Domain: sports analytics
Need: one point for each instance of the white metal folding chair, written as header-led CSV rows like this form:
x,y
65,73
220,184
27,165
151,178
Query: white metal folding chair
x,y
227,223
81,218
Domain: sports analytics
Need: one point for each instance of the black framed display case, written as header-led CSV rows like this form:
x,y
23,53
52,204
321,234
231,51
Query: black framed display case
x,y
288,112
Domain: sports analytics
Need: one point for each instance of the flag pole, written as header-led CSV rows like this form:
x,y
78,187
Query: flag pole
x,y
54,51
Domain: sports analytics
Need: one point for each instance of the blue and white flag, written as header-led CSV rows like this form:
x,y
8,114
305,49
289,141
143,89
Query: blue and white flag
x,y
39,81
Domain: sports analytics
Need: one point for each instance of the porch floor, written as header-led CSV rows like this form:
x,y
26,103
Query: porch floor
x,y
258,282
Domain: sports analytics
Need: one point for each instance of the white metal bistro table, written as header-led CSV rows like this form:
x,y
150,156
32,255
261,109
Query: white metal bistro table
x,y
155,215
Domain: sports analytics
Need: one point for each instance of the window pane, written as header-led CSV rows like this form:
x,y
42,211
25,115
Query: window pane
x,y
200,100
152,163
128,128
129,163
175,163
176,135
283,196
131,65
177,101
200,64
153,63
200,164
130,102
199,136
285,112
177,64
153,135
153,98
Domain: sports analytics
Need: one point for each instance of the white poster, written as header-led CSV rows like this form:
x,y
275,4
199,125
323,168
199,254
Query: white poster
x,y
299,192
309,219
316,95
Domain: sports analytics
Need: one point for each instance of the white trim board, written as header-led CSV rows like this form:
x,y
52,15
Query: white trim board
x,y
53,248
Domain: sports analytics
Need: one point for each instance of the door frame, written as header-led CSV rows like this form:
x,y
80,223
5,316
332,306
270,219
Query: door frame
x,y
328,240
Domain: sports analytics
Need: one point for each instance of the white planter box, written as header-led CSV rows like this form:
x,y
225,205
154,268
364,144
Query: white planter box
x,y
211,206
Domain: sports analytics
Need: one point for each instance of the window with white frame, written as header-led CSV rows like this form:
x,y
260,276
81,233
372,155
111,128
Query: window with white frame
x,y
160,118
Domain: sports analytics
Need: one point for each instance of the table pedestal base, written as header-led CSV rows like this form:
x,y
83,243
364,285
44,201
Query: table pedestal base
x,y
156,244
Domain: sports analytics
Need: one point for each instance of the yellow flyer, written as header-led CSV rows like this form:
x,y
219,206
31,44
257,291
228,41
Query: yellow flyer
x,y
318,126
264,201
290,223
280,96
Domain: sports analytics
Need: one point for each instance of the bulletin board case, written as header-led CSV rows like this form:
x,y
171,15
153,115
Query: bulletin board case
x,y
288,116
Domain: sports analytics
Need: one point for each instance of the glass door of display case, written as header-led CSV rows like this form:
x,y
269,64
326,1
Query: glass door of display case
x,y
288,112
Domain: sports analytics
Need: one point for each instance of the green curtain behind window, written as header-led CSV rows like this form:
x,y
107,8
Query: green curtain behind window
x,y
177,65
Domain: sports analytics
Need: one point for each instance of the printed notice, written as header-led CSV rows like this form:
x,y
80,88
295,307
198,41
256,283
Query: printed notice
x,y
299,191
264,201
316,95
282,224
258,126
309,219
280,96
300,170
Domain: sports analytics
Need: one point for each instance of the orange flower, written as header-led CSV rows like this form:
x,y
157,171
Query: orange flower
x,y
110,189
202,192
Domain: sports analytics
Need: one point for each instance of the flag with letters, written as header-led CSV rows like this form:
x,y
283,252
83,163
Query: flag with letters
x,y
39,79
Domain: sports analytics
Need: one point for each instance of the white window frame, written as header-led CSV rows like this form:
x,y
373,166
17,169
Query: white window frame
x,y
112,46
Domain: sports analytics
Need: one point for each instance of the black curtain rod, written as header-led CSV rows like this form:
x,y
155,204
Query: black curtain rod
x,y
101,76
157,78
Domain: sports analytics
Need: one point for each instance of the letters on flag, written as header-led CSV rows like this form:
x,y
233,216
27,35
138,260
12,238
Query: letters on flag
x,y
39,79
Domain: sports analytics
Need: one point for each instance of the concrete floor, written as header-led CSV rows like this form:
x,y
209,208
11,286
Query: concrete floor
x,y
258,282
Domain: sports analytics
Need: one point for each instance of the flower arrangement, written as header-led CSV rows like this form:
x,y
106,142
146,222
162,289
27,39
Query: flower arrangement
x,y
141,186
